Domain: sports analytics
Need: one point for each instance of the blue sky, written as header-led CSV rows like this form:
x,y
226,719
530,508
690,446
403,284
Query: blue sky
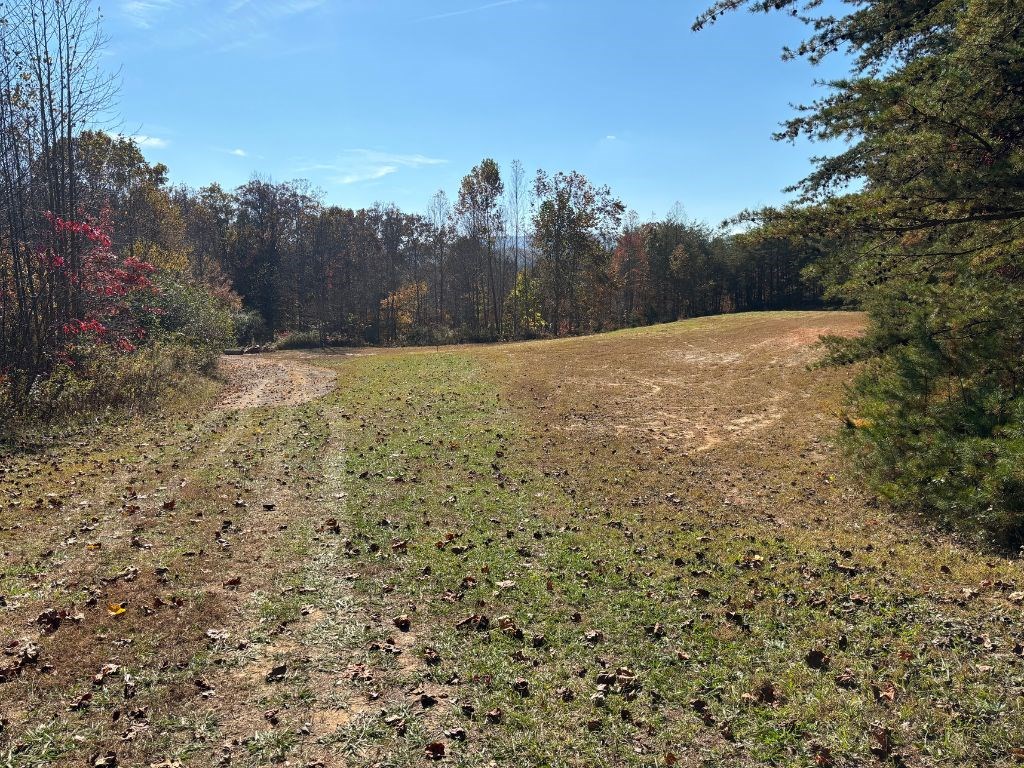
x,y
389,100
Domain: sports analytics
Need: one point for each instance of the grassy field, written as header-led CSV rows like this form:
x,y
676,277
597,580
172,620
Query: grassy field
x,y
640,548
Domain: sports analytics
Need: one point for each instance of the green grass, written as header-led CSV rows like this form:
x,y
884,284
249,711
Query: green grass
x,y
581,562
700,605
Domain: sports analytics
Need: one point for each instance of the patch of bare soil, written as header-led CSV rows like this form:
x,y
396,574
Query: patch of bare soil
x,y
689,388
256,381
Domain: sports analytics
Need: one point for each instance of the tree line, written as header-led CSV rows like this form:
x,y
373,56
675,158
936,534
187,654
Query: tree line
x,y
507,258
109,270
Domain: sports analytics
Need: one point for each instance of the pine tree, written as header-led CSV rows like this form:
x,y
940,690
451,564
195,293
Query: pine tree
x,y
928,198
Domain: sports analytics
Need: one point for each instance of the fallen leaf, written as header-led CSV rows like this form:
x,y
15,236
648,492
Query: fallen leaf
x,y
81,702
822,756
655,630
51,619
765,693
846,679
850,569
107,670
884,692
434,750
277,673
881,741
509,627
816,659
476,621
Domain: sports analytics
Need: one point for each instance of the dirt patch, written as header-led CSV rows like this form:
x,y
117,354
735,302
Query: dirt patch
x,y
254,381
690,387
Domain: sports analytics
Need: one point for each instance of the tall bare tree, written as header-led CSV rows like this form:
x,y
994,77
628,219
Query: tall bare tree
x,y
439,213
478,205
51,88
515,193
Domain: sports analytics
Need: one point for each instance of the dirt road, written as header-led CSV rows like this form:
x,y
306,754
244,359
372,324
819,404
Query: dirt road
x,y
255,381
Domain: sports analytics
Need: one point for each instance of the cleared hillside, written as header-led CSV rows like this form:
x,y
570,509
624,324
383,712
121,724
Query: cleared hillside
x,y
640,548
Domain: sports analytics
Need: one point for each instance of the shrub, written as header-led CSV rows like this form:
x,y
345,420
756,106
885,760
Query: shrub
x,y
937,429
299,340
184,313
179,333
249,327
107,379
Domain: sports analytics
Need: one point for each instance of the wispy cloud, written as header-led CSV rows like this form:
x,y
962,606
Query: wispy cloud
x,y
222,26
368,175
356,165
474,9
292,7
143,13
273,8
238,152
149,142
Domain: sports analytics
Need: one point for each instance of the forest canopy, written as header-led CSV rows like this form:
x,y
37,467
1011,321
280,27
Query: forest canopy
x,y
507,258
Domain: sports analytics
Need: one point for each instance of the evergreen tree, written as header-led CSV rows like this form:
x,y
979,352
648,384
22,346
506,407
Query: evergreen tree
x,y
928,198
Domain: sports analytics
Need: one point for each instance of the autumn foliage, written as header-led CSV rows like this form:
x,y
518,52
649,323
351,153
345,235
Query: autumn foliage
x,y
111,289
